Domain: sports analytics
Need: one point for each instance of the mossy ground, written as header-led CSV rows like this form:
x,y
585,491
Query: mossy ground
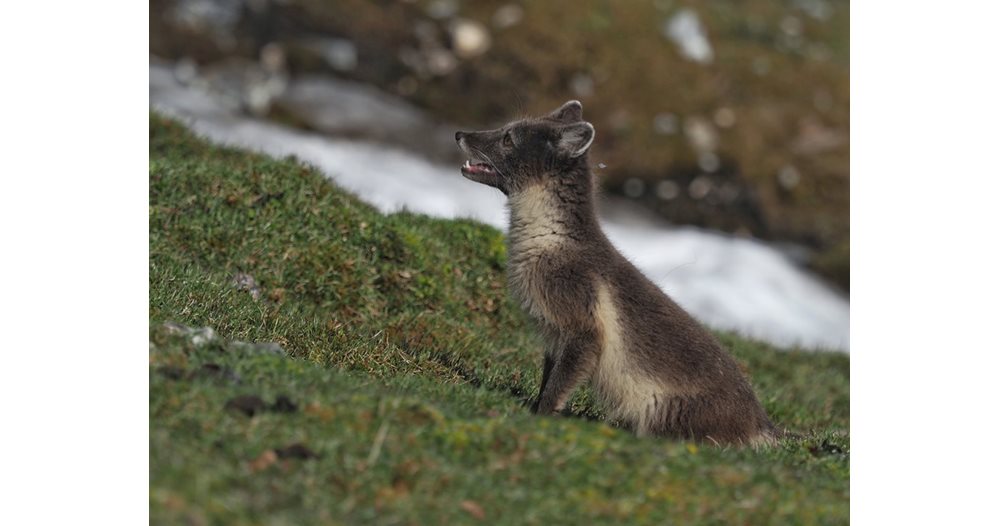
x,y
409,370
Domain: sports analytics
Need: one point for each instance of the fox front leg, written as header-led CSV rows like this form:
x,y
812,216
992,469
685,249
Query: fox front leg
x,y
564,371
546,372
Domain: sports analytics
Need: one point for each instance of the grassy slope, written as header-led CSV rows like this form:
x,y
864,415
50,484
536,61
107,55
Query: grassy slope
x,y
410,368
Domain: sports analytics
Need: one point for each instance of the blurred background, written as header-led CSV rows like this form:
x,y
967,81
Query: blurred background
x,y
722,127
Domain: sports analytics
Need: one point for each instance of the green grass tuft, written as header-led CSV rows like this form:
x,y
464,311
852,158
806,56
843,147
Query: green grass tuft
x,y
409,369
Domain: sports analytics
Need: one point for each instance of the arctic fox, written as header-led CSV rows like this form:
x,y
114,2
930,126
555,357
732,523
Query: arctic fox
x,y
655,368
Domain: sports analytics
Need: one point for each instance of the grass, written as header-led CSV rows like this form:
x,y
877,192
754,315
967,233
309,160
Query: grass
x,y
401,394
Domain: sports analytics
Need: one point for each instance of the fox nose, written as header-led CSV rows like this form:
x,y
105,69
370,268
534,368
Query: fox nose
x,y
458,136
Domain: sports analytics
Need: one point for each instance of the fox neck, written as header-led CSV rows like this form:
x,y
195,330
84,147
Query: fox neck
x,y
557,209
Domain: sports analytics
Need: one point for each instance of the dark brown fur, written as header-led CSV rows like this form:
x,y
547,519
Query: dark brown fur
x,y
657,369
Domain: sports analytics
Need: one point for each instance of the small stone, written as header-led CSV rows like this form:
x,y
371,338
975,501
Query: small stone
x,y
818,9
729,193
442,9
244,281
791,26
582,85
272,57
176,328
665,123
699,187
257,348
440,62
341,54
634,187
667,190
789,177
202,336
708,161
700,133
508,15
620,120
724,117
427,33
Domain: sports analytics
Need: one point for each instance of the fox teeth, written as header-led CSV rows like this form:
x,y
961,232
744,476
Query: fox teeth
x,y
467,164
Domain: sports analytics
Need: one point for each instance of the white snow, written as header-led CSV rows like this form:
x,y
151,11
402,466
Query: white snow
x,y
686,31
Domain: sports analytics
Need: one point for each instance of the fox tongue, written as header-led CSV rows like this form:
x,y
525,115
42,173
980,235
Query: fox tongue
x,y
477,168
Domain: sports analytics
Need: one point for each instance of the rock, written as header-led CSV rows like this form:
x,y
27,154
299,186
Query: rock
x,y
507,15
244,281
665,123
789,177
245,84
815,138
634,187
667,190
469,38
582,85
440,61
442,9
791,26
699,187
339,53
724,117
199,336
818,9
708,161
217,16
701,134
257,348
273,58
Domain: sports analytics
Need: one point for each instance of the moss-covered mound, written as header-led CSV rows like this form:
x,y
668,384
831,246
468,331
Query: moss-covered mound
x,y
398,392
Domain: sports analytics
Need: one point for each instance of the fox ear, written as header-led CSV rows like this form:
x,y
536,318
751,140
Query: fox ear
x,y
575,139
570,112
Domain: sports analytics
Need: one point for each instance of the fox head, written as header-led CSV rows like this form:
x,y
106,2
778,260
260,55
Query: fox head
x,y
519,153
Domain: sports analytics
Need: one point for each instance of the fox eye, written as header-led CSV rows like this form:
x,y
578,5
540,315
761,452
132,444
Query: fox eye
x,y
508,141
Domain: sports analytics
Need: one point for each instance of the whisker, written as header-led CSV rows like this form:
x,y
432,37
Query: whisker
x,y
487,157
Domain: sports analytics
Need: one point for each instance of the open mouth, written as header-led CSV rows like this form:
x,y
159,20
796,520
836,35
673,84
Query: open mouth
x,y
477,168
